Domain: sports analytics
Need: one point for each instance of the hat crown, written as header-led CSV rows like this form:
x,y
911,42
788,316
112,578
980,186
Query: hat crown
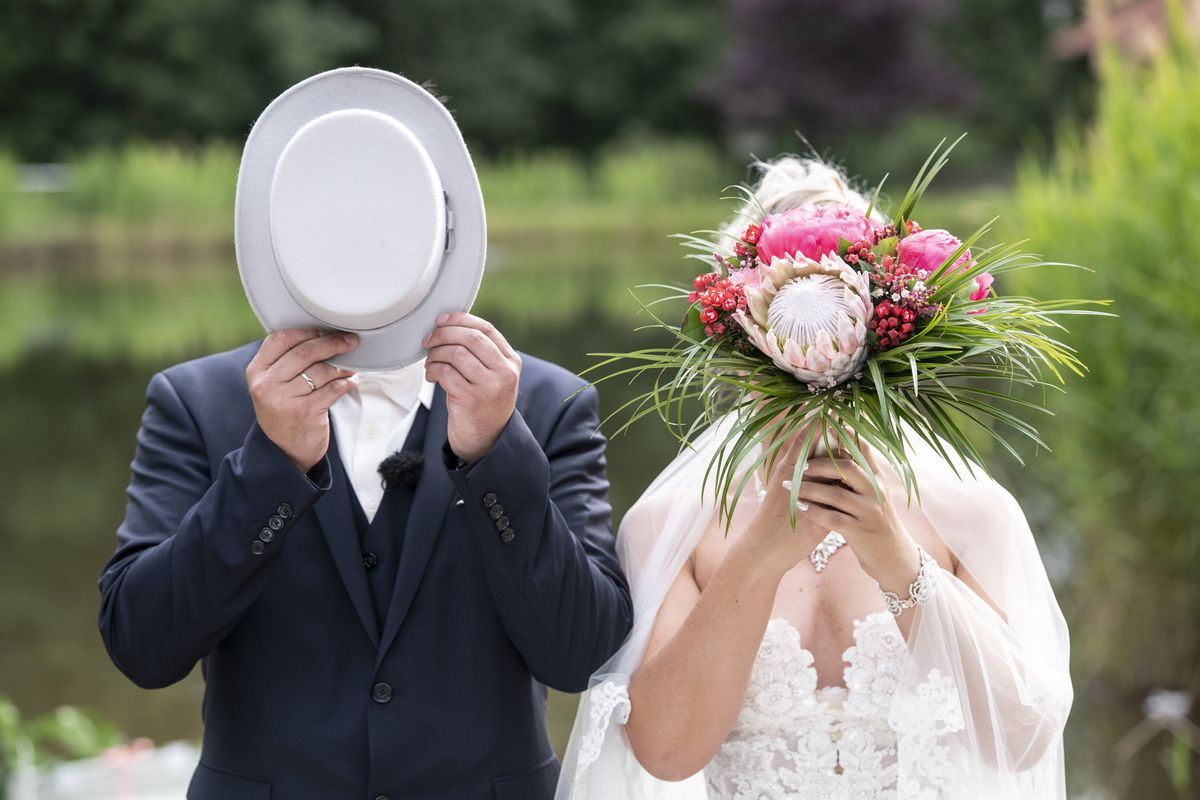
x,y
357,219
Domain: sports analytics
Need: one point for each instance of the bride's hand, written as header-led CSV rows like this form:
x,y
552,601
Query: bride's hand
x,y
837,495
769,531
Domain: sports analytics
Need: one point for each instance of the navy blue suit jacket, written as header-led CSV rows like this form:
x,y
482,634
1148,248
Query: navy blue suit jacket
x,y
306,695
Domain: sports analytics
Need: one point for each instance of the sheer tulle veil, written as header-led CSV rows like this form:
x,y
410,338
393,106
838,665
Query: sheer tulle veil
x,y
984,689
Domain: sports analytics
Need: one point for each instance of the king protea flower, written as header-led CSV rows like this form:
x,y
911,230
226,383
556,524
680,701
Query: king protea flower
x,y
810,317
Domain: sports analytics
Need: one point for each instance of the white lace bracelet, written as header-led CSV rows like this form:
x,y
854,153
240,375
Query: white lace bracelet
x,y
920,591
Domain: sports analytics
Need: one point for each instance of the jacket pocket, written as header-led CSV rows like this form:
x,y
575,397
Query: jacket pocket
x,y
537,783
214,784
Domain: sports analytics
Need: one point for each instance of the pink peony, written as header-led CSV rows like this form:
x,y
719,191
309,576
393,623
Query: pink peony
x,y
811,231
929,249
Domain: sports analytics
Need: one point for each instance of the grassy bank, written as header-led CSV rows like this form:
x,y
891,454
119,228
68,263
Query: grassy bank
x,y
158,199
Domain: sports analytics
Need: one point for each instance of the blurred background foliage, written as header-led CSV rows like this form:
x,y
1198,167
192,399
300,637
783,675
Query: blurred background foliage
x,y
600,127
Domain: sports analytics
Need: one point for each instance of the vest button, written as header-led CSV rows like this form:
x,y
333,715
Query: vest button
x,y
370,560
381,693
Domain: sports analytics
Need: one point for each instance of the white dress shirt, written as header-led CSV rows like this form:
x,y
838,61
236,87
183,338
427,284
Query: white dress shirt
x,y
372,420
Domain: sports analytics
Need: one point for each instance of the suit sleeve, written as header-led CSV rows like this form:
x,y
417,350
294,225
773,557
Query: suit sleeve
x,y
194,550
555,578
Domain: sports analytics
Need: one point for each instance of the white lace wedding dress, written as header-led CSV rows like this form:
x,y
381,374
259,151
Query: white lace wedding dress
x,y
971,706
798,741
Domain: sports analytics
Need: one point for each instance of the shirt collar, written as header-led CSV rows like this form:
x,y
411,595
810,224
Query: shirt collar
x,y
405,386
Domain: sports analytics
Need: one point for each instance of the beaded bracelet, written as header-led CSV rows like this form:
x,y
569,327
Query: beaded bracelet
x,y
920,591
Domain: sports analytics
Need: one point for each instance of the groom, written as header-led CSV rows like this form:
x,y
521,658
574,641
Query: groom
x,y
359,641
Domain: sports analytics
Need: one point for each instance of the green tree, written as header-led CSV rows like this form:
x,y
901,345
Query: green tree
x,y
81,73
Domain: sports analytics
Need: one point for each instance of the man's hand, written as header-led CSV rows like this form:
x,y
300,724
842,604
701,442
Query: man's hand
x,y
293,414
479,372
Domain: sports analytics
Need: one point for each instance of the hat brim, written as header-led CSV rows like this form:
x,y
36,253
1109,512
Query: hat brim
x,y
397,344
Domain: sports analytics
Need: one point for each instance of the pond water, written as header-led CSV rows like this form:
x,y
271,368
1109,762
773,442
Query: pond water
x,y
78,345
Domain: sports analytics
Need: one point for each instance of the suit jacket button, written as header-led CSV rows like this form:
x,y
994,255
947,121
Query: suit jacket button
x,y
370,560
496,512
381,693
266,535
275,522
284,510
257,547
507,535
383,797
501,523
490,500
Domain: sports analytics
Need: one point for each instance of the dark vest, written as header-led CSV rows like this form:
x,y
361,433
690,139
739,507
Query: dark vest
x,y
383,539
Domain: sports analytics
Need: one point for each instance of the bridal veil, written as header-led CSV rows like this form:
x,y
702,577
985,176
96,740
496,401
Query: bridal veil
x,y
984,689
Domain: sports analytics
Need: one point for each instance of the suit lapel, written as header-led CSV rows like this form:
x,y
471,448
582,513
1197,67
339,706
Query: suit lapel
x,y
336,517
431,499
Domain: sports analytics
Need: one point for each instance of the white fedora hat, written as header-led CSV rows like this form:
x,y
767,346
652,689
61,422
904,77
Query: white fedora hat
x,y
358,209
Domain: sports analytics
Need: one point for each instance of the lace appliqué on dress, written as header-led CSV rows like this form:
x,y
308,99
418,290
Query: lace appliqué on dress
x,y
604,700
794,741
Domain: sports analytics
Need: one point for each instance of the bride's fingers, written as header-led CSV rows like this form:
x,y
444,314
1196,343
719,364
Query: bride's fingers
x,y
829,519
844,470
833,497
789,454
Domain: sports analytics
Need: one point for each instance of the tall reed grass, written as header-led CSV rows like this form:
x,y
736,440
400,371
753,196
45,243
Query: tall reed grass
x,y
1124,198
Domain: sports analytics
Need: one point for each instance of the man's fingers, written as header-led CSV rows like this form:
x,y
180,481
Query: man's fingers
x,y
320,374
484,348
327,395
447,376
462,359
309,353
277,343
466,320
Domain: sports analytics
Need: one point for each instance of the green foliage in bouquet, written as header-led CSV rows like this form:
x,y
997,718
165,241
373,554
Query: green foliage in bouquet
x,y
827,325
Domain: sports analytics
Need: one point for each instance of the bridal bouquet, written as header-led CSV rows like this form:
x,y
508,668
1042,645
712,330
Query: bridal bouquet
x,y
825,323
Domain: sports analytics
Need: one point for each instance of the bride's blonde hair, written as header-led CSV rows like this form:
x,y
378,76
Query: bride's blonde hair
x,y
790,182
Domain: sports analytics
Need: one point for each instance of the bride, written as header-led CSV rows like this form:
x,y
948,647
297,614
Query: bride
x,y
877,651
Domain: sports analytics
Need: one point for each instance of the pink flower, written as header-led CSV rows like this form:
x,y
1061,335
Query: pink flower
x,y
811,232
927,250
810,318
747,277
983,282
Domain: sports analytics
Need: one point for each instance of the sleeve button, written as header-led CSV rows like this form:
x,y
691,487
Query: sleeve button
x,y
257,547
496,512
284,510
507,535
275,522
266,535
490,500
502,523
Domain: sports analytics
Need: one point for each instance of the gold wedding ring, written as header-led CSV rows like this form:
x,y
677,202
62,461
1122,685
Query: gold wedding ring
x,y
311,385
